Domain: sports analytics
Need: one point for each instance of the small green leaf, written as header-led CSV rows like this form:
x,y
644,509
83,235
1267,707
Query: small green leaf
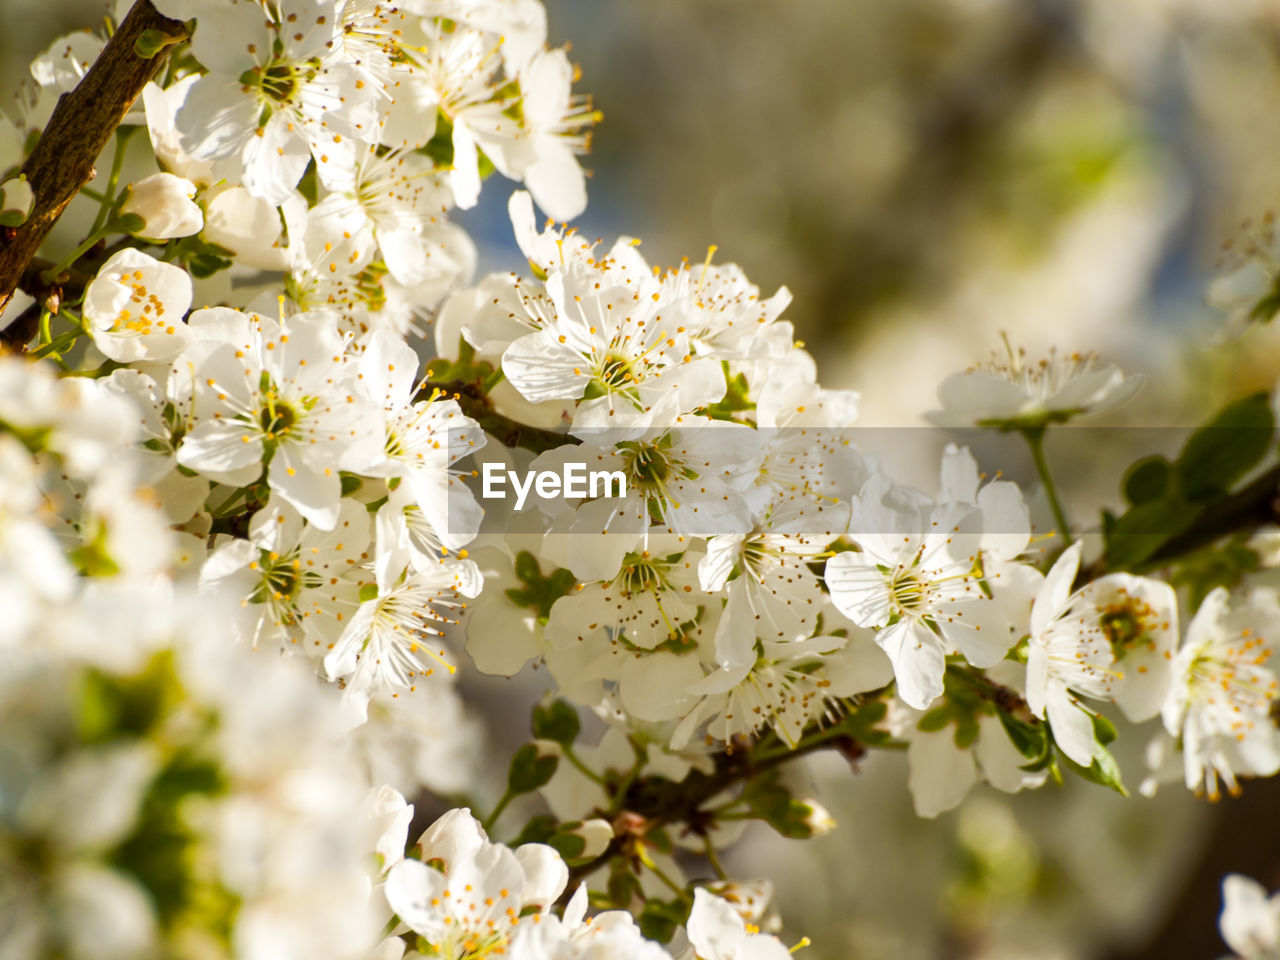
x,y
530,769
130,223
151,42
1029,739
568,845
557,721
1104,731
936,719
539,592
659,919
538,830
966,731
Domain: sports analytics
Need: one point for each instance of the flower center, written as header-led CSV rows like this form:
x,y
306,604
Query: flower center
x,y
282,579
279,80
277,418
910,591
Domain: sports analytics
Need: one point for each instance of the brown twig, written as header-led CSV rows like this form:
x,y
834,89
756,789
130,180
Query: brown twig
x,y
654,802
82,123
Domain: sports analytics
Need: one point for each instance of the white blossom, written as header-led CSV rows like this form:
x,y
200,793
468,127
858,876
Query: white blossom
x,y
1011,390
135,307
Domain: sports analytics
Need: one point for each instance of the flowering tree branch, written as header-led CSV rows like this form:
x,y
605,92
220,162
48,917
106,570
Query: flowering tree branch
x,y
82,123
650,803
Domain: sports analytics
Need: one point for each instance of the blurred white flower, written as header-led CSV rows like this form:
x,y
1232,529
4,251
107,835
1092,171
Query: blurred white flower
x,y
718,932
1011,392
1246,286
1250,922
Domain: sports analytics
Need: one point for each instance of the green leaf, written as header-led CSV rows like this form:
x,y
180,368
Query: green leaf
x,y
935,719
309,185
1265,309
1103,770
1222,565
966,731
539,592
440,147
623,886
1148,479
530,769
130,223
659,919
538,830
350,483
1029,739
735,400
1104,731
151,42
159,849
769,799
1140,532
568,845
1226,448
557,720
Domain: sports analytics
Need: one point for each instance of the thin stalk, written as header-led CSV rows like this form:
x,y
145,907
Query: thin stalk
x,y
582,768
714,859
95,235
653,868
123,135
1035,440
492,818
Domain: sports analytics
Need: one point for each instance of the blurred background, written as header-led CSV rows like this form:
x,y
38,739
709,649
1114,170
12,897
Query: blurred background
x,y
923,174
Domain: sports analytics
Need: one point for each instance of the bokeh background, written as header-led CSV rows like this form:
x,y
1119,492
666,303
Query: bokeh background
x,y
923,174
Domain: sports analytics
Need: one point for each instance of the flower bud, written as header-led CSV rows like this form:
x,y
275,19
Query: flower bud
x,y
595,835
817,819
163,202
16,199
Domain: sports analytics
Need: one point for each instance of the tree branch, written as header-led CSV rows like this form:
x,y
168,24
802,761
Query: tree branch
x,y
82,123
1254,505
653,802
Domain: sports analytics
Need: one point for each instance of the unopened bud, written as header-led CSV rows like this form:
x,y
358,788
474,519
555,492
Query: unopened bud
x,y
817,819
595,835
163,203
16,200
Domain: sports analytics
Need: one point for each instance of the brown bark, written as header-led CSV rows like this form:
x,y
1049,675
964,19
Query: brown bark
x,y
82,123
